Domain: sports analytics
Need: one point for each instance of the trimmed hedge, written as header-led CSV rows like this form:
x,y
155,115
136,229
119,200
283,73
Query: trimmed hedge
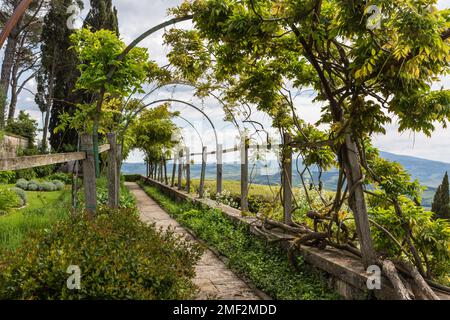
x,y
35,185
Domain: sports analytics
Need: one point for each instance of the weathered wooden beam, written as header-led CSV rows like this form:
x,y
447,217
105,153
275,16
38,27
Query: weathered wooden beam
x,y
113,192
104,148
89,178
20,163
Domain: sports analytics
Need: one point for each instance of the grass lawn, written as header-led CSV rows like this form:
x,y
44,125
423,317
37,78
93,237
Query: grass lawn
x,y
269,192
43,209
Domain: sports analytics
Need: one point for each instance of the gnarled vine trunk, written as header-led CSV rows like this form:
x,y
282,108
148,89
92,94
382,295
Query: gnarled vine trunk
x,y
349,158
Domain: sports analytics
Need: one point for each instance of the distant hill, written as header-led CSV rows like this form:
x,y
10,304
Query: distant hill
x,y
428,172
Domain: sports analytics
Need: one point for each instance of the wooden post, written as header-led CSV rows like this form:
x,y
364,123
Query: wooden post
x,y
119,168
113,193
89,182
188,170
286,180
174,169
201,190
244,173
166,179
180,171
219,169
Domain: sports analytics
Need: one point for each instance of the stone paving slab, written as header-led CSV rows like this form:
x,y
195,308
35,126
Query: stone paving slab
x,y
214,279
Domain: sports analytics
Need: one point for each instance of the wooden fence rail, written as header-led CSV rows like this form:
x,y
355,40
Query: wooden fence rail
x,y
86,156
19,163
182,160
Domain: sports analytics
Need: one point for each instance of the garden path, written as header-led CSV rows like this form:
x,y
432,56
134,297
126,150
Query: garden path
x,y
213,278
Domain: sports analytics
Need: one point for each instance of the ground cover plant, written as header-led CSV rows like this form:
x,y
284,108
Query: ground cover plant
x,y
265,265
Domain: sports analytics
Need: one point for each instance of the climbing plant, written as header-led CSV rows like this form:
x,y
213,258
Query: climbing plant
x,y
261,50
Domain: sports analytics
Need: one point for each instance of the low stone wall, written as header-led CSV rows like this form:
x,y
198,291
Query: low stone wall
x,y
11,144
345,272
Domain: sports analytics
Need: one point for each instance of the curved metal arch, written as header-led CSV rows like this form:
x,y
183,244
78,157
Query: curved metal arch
x,y
188,84
193,127
175,101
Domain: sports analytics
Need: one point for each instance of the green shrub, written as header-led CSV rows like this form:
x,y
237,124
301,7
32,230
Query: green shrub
x,y
7,177
26,174
47,186
59,185
22,195
44,171
60,176
33,187
131,177
8,200
120,257
22,184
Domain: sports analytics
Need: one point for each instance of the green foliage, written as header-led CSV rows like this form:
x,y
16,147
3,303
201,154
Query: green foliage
x,y
430,236
153,132
441,202
22,195
8,200
97,53
22,184
59,185
7,177
102,16
27,174
265,265
120,258
44,171
63,177
33,186
131,177
41,212
47,186
24,126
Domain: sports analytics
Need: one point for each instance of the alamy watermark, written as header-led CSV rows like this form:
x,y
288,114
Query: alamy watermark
x,y
74,22
74,280
374,280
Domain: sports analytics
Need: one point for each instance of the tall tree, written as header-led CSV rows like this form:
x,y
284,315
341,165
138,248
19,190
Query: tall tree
x,y
441,202
65,96
27,58
102,16
57,76
6,11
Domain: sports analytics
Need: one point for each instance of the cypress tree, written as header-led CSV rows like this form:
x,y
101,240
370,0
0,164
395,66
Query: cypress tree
x,y
58,75
441,202
102,16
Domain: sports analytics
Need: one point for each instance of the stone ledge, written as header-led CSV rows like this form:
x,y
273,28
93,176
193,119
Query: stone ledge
x,y
345,271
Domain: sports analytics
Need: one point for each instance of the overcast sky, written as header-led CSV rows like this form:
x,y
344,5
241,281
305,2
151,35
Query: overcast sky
x,y
136,16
